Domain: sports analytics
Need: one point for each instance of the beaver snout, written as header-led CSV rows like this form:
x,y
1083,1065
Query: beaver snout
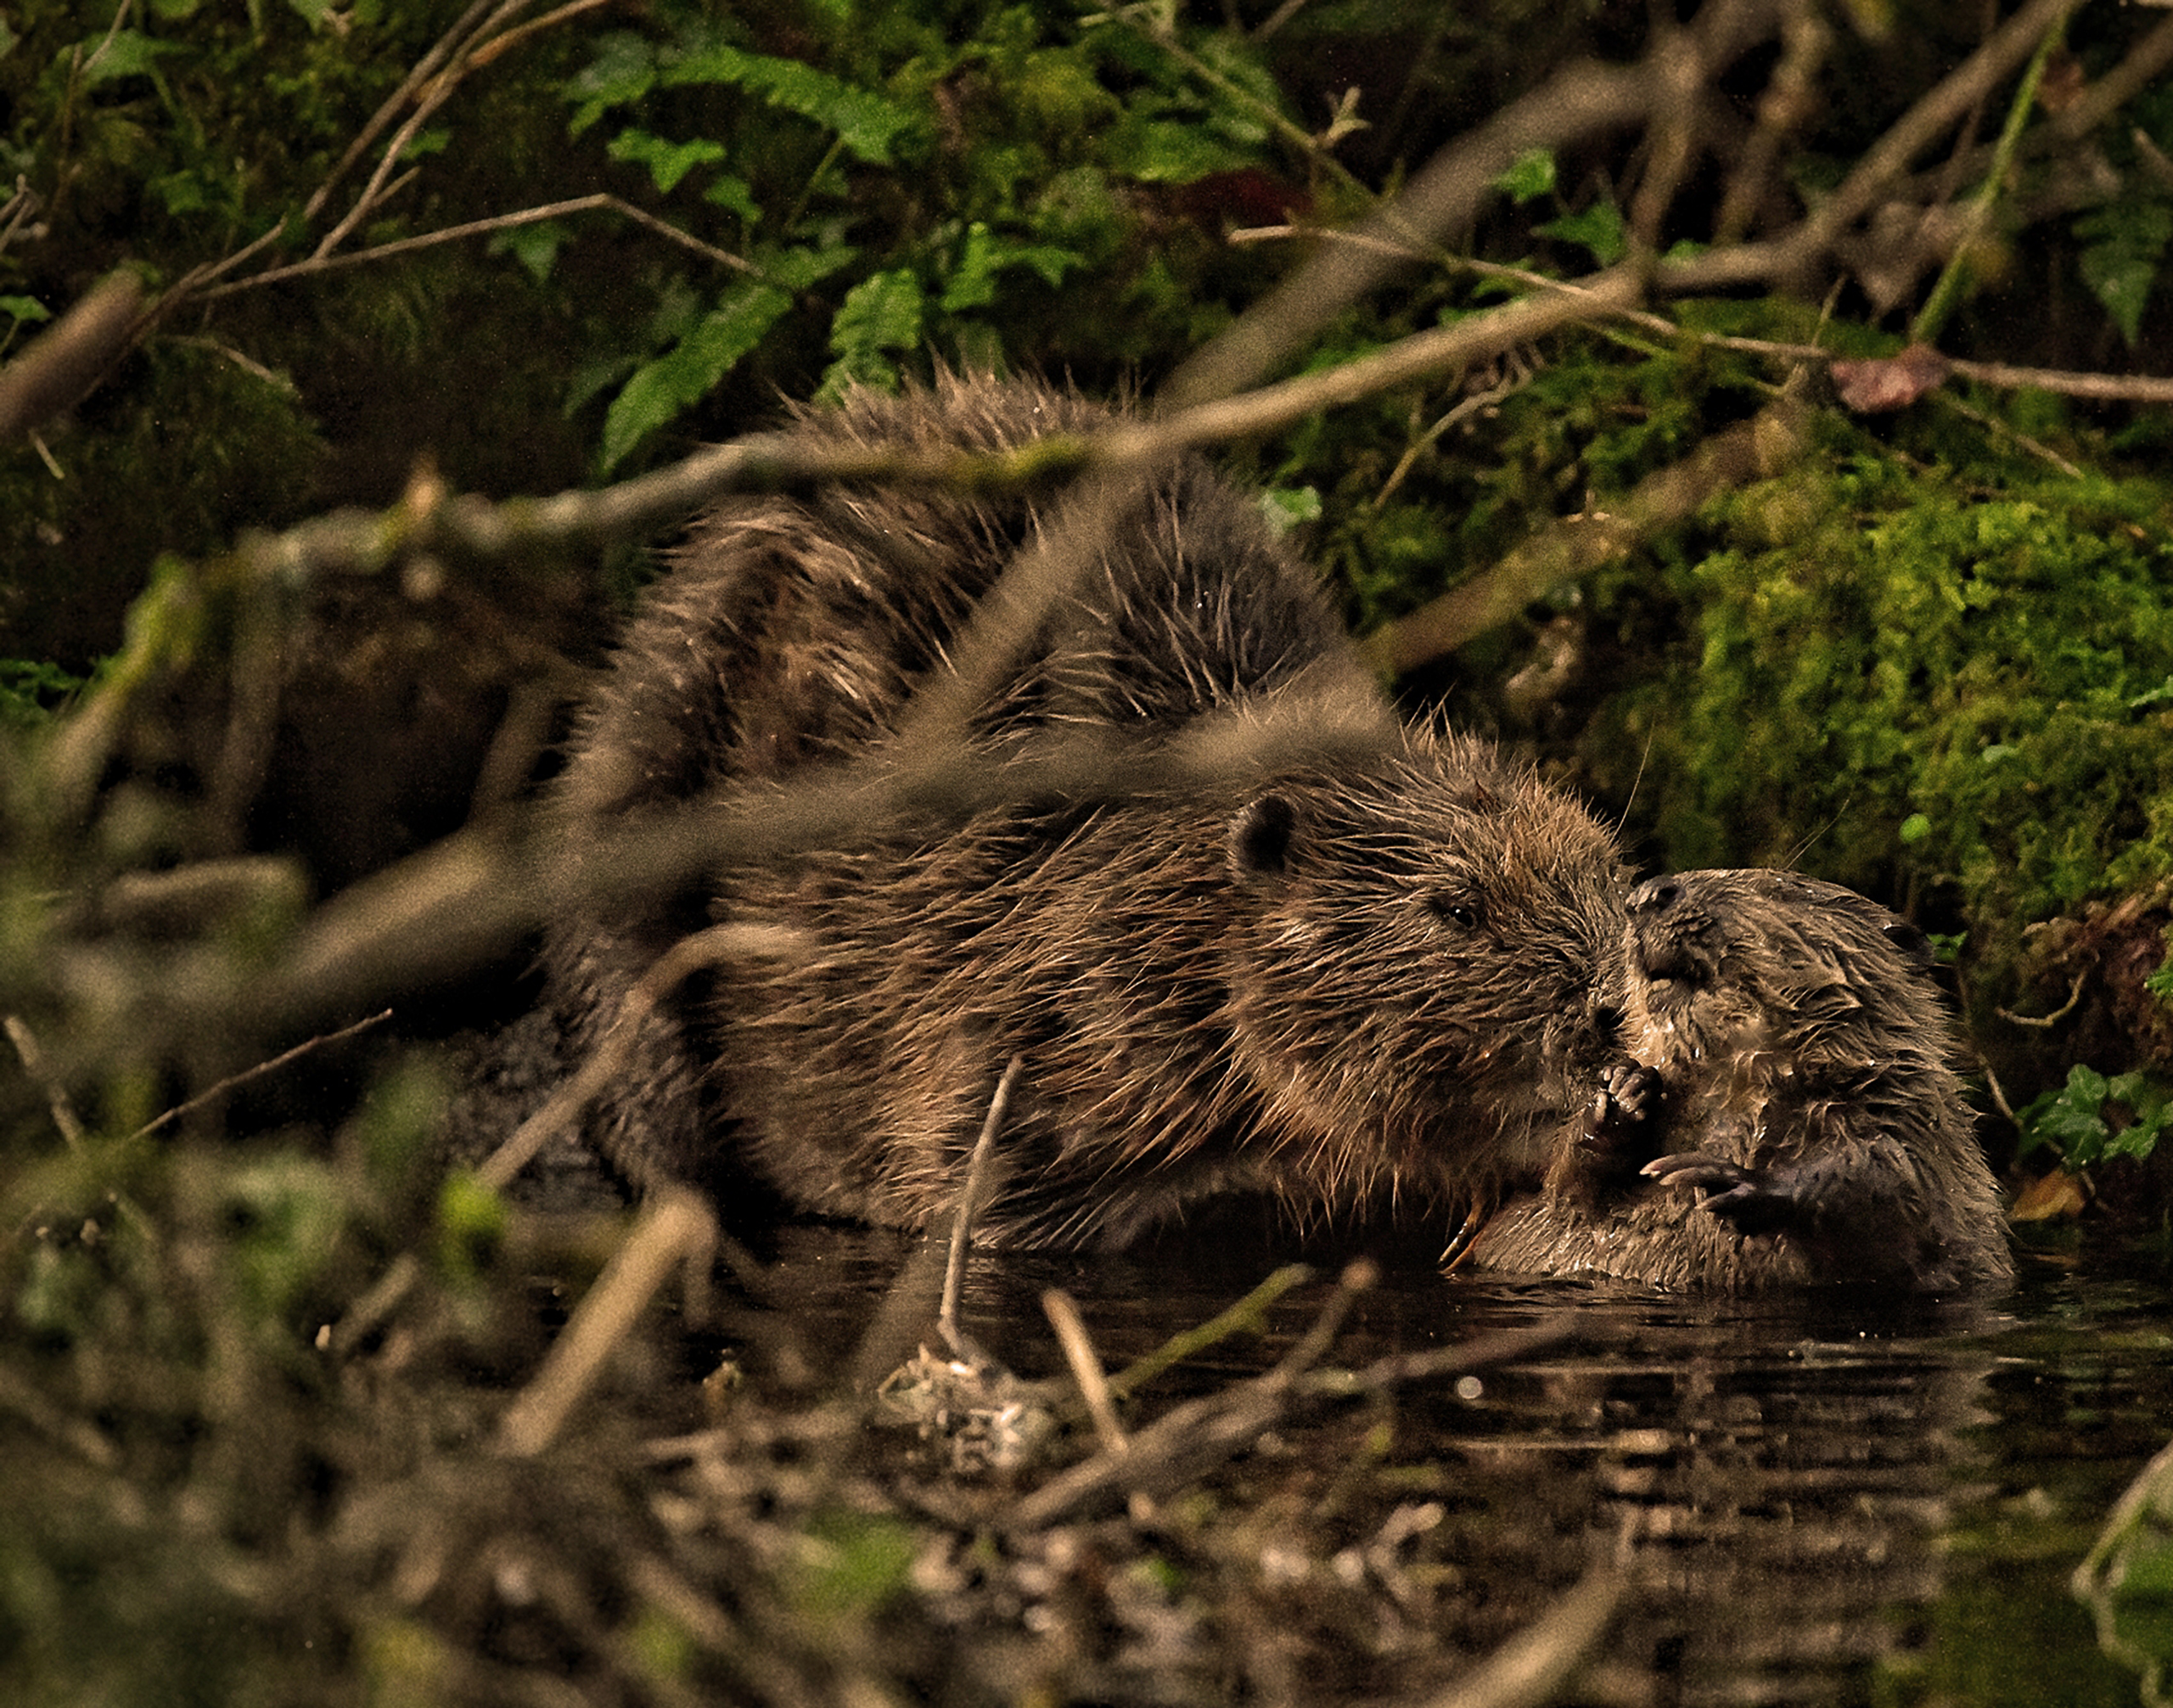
x,y
1670,938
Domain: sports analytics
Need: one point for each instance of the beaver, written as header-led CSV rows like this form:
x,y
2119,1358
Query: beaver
x,y
1791,1069
1331,983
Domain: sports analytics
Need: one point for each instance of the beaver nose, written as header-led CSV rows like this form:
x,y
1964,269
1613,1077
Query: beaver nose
x,y
1655,895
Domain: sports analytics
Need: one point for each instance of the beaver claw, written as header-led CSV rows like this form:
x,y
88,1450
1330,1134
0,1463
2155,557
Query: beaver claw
x,y
1620,1128
1753,1199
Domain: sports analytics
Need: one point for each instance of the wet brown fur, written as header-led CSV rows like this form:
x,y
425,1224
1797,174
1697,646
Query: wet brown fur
x,y
1334,989
1808,1126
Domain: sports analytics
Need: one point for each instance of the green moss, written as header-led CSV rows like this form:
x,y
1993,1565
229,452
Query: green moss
x,y
1868,643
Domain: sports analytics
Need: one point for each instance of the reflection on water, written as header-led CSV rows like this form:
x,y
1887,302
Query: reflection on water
x,y
1823,1500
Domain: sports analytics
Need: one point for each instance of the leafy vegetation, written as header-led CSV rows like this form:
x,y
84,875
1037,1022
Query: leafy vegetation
x,y
258,1347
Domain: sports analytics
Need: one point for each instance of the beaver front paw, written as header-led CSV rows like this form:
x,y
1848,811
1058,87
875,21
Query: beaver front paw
x,y
1754,1200
1620,1129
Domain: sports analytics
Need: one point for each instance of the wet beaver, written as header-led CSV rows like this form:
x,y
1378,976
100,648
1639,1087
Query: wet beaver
x,y
1330,985
1792,1063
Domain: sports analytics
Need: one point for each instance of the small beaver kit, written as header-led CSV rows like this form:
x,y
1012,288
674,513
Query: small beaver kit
x,y
1792,1075
1339,984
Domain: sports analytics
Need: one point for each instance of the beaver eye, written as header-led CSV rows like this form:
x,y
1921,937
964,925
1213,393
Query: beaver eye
x,y
1455,909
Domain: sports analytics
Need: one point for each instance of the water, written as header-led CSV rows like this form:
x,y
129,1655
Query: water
x,y
1817,1500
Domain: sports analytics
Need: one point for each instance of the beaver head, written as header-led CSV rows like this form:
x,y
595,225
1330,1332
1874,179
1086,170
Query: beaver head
x,y
1433,960
1731,962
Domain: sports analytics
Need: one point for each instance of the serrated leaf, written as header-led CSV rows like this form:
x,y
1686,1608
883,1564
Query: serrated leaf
x,y
667,161
1169,151
661,390
972,284
623,71
2124,241
867,123
880,314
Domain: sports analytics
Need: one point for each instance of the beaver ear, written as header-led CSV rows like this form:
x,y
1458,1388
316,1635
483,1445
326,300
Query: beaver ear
x,y
1261,837
1913,944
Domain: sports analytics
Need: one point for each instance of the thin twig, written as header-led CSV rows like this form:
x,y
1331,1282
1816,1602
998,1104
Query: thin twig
x,y
1937,112
676,1229
2046,1022
1573,549
428,99
56,1094
564,1109
233,1081
579,204
983,1171
1947,291
1086,1371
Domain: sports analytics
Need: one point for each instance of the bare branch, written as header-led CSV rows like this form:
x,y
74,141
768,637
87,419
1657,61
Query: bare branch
x,y
498,222
1575,548
1888,159
65,363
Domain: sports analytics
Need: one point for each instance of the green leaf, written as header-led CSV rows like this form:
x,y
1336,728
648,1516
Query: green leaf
x,y
2123,242
867,123
25,308
660,389
734,195
883,313
1169,151
973,284
1530,176
535,247
667,161
125,53
1598,229
709,347
623,71
1287,507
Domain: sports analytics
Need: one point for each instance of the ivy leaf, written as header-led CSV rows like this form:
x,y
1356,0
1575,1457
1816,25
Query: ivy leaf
x,y
973,283
1598,229
866,124
535,247
1530,176
2123,242
667,161
734,195
1288,507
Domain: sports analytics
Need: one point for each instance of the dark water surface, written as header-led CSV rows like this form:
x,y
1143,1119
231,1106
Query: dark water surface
x,y
1821,1500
